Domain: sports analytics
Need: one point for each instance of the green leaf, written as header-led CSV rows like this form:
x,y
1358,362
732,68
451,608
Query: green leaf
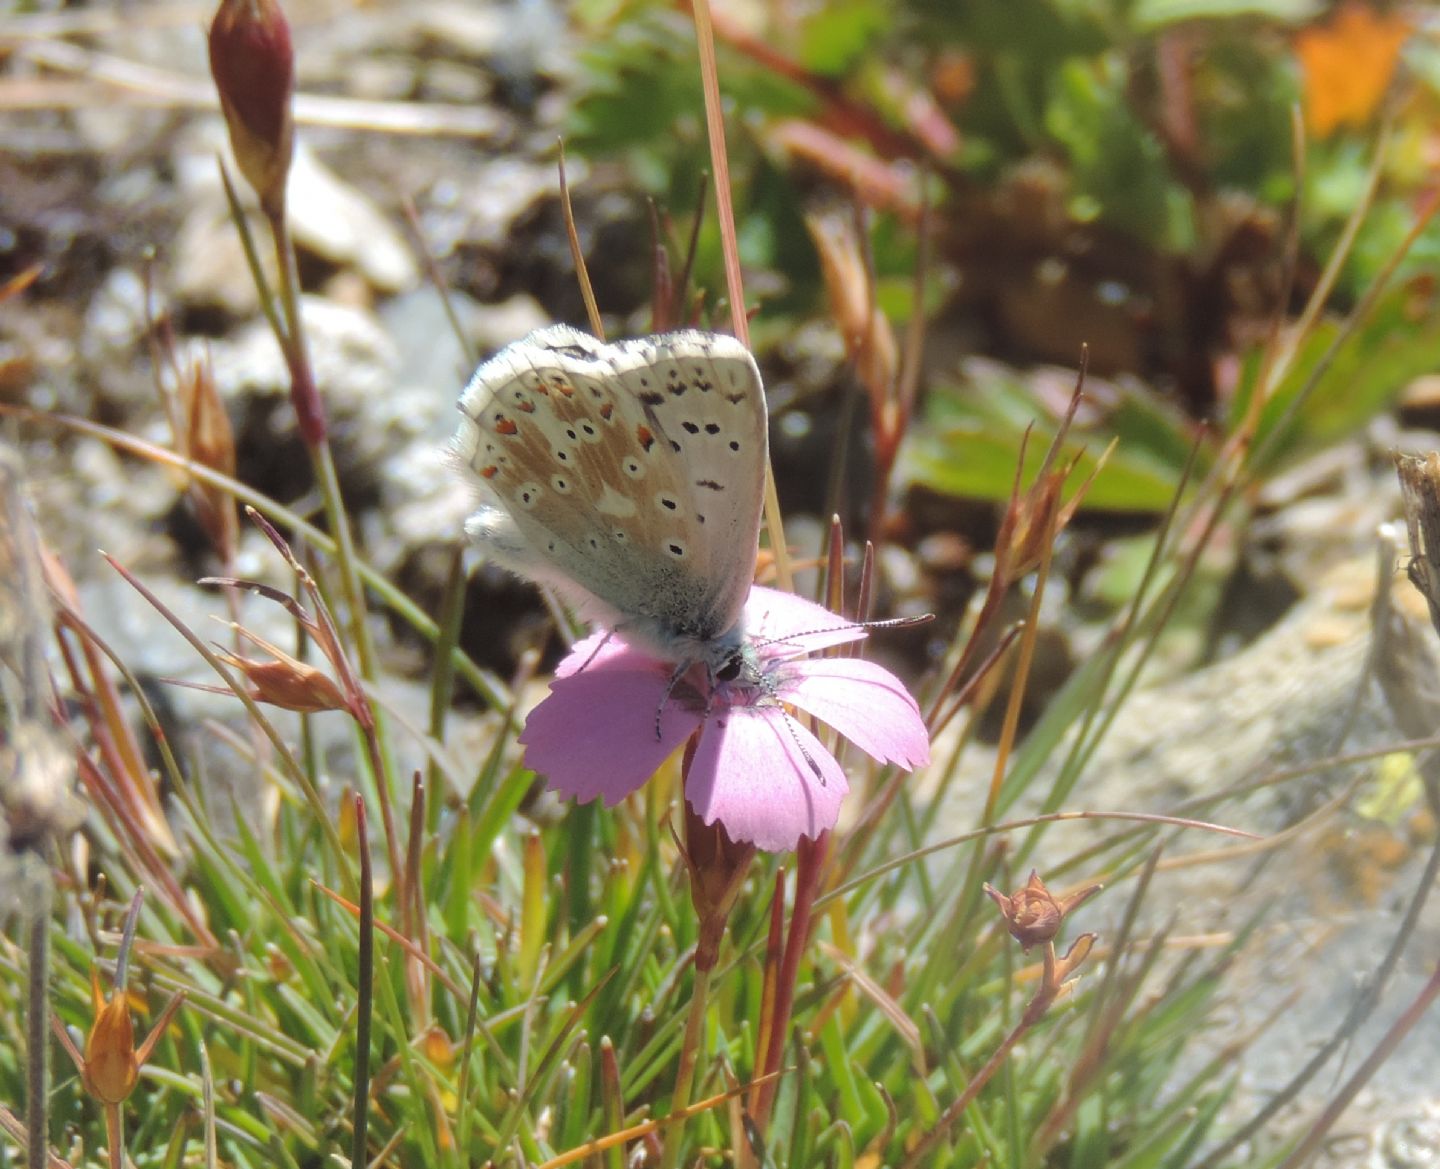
x,y
972,439
839,33
1148,15
1325,397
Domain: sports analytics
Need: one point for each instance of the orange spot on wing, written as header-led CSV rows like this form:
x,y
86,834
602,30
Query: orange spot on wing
x,y
489,472
505,426
607,410
525,407
644,437
564,387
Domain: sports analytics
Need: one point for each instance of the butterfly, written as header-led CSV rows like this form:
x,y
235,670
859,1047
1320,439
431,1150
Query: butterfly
x,y
628,477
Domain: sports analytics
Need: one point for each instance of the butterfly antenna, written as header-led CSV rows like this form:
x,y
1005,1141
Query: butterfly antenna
x,y
767,684
799,746
887,623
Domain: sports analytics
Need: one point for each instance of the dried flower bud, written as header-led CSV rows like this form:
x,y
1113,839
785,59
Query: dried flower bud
x,y
111,1063
209,440
1033,914
112,1067
869,339
287,682
253,64
438,1047
1033,521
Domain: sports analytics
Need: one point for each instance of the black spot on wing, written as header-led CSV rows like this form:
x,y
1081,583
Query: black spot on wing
x,y
576,353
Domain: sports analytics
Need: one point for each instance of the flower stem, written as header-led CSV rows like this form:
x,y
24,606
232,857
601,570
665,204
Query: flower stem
x,y
114,1135
919,1155
38,1037
360,1108
311,422
810,859
689,1058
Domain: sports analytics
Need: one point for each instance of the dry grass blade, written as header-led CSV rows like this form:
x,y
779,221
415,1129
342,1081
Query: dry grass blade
x,y
904,1025
121,80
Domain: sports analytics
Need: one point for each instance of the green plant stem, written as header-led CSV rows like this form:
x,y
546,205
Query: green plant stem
x,y
310,418
115,1135
1034,1012
689,1059
442,679
38,1033
305,395
379,758
364,988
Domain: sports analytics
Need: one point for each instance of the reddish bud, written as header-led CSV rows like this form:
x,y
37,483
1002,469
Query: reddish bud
x,y
718,866
1033,914
253,64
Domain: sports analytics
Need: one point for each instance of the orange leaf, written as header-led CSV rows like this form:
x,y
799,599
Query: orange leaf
x,y
1348,63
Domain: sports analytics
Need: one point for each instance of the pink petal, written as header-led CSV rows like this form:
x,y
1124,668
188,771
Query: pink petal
x,y
864,702
594,651
749,773
794,625
594,734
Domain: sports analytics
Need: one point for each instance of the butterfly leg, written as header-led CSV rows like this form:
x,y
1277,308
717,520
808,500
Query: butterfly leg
x,y
604,641
679,672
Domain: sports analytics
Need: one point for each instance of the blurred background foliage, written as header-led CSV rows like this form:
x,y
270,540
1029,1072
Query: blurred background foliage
x,y
1158,181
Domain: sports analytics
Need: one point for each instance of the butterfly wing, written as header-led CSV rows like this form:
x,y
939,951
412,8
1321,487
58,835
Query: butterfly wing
x,y
629,476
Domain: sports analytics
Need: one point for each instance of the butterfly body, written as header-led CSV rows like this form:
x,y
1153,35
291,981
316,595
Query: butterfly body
x,y
628,477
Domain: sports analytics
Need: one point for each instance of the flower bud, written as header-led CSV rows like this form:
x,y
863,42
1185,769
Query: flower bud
x,y
112,1068
287,682
1033,914
718,866
209,439
253,64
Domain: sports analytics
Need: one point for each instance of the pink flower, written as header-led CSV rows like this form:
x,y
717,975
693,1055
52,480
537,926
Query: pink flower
x,y
756,769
